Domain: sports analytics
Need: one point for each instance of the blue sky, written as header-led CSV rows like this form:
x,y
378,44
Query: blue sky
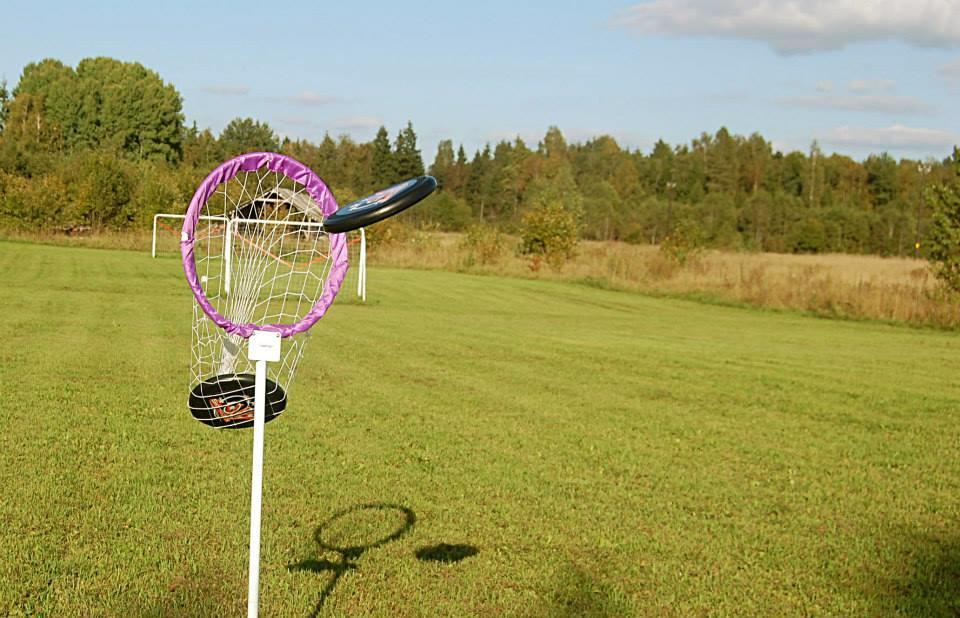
x,y
859,76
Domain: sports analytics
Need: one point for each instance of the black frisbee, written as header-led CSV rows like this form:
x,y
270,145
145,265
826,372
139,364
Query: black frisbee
x,y
380,205
226,401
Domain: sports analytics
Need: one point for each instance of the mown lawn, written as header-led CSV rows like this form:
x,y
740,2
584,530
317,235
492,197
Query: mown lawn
x,y
519,447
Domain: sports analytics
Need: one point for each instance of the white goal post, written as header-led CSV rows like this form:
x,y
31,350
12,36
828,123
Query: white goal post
x,y
356,245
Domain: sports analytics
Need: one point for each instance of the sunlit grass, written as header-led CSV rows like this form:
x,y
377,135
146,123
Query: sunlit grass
x,y
467,445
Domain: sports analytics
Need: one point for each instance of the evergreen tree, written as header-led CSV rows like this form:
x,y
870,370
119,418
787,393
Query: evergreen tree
x,y
443,164
200,148
407,160
384,168
881,179
457,181
4,103
477,187
327,161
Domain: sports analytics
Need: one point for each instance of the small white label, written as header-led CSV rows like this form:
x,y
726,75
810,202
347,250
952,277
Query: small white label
x,y
265,346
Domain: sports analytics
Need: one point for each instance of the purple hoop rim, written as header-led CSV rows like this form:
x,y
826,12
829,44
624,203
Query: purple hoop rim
x,y
320,193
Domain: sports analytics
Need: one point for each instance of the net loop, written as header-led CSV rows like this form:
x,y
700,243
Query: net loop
x,y
296,200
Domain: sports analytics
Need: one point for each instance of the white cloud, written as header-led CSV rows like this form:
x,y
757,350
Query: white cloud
x,y
862,86
895,137
889,104
532,137
349,123
300,121
825,86
625,138
312,98
227,90
529,136
801,26
950,72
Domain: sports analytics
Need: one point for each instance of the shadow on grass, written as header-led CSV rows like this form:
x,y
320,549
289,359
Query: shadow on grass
x,y
192,595
348,534
446,553
930,580
581,593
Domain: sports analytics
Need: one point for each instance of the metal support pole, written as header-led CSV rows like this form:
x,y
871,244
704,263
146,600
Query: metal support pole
x,y
153,250
264,346
227,255
256,488
362,272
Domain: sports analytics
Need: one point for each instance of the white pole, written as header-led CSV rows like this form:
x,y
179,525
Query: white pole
x,y
153,250
264,346
169,215
256,490
362,272
227,254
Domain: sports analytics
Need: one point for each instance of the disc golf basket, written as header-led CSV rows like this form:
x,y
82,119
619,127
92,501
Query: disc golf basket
x,y
264,253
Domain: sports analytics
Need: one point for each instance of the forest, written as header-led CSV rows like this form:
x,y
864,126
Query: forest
x,y
105,145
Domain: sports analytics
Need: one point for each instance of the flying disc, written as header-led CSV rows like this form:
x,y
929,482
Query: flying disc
x,y
380,205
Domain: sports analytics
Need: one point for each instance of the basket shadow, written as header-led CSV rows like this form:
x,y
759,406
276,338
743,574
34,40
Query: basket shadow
x,y
446,553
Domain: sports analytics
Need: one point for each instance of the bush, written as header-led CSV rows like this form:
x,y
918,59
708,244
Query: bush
x,y
944,244
33,204
157,191
445,211
394,230
684,243
549,232
484,245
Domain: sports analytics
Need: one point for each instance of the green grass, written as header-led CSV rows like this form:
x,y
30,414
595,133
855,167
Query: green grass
x,y
531,449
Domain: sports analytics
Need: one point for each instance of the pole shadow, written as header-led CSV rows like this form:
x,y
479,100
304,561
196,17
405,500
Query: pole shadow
x,y
349,533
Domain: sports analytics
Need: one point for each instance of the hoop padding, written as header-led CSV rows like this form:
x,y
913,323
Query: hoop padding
x,y
321,194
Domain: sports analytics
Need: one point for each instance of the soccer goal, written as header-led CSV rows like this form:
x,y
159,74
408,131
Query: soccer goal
x,y
166,241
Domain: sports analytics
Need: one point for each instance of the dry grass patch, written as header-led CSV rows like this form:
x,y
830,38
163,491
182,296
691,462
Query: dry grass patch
x,y
830,285
849,286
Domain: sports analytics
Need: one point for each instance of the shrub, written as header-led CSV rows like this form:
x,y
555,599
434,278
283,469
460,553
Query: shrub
x,y
684,243
394,230
944,243
549,232
483,244
445,211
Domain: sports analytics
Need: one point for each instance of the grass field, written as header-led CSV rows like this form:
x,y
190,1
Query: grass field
x,y
475,445
898,290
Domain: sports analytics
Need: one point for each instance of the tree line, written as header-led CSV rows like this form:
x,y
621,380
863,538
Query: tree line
x,y
105,145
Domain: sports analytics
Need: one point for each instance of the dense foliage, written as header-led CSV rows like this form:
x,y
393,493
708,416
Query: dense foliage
x,y
945,229
105,145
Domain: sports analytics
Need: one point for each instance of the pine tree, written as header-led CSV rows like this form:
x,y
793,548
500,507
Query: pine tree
x,y
407,160
443,163
478,182
4,101
383,170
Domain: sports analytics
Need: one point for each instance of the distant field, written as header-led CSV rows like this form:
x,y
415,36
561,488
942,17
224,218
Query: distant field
x,y
890,289
585,452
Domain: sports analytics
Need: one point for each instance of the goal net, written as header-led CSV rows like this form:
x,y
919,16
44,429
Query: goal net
x,y
165,242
